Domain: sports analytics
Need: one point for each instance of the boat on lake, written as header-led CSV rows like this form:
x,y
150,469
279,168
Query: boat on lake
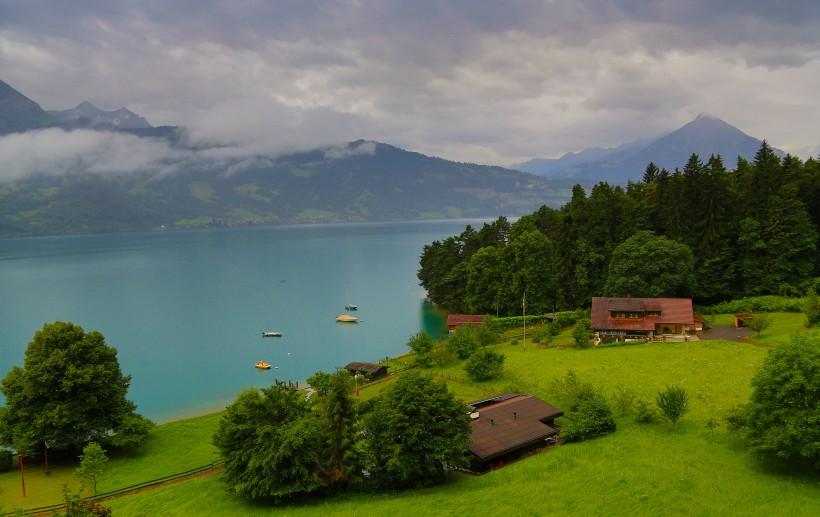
x,y
263,365
271,334
351,307
347,318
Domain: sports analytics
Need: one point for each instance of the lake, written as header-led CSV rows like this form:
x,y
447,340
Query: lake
x,y
186,309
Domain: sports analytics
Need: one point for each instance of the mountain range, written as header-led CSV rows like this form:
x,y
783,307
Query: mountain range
x,y
357,181
705,135
191,186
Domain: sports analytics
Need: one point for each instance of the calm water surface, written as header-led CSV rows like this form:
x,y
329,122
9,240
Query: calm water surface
x,y
186,309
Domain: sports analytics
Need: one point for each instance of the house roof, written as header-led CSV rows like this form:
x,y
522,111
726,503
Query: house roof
x,y
465,319
514,422
673,310
364,367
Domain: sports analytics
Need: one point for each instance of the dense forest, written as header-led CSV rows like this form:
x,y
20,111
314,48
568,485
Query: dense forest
x,y
703,231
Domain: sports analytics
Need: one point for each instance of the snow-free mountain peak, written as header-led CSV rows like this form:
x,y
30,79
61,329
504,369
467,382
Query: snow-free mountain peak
x,y
121,118
705,135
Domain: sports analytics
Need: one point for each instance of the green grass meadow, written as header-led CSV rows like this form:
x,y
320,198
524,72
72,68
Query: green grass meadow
x,y
641,469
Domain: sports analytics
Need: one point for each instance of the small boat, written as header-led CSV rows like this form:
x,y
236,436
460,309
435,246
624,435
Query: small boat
x,y
271,334
347,318
351,307
263,365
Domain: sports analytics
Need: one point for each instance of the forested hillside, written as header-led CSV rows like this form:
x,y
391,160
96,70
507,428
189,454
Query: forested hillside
x,y
704,231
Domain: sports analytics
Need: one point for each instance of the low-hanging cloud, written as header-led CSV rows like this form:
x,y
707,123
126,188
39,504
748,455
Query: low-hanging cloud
x,y
56,151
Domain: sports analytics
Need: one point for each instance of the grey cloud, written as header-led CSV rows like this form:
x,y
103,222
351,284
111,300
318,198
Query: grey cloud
x,y
470,80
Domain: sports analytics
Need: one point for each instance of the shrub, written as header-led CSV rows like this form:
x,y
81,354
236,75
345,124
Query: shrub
x,y
644,412
92,465
570,388
463,343
542,334
757,304
441,355
485,365
486,335
591,417
760,322
811,307
623,399
581,334
421,344
320,381
673,403
737,418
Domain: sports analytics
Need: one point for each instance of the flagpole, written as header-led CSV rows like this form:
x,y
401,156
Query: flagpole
x,y
524,311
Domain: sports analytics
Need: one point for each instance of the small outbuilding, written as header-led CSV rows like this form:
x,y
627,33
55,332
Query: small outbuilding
x,y
508,425
455,321
743,319
369,370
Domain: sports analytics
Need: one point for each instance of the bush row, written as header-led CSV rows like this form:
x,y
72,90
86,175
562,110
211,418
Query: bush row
x,y
756,304
564,318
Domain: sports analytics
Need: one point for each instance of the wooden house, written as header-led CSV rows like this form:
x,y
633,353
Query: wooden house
x,y
669,319
369,370
455,321
508,425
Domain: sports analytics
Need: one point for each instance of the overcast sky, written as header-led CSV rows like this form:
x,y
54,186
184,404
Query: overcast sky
x,y
489,82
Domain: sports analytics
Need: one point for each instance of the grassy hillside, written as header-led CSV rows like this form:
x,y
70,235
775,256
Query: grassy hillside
x,y
640,469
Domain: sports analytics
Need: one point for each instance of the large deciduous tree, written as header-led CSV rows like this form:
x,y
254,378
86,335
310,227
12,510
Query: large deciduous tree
x,y
649,265
271,441
416,431
784,414
69,392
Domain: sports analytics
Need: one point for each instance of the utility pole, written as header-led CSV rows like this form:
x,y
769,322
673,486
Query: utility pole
x,y
524,311
22,474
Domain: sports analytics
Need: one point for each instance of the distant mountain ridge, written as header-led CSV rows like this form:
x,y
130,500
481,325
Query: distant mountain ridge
x,y
357,181
120,118
705,135
18,113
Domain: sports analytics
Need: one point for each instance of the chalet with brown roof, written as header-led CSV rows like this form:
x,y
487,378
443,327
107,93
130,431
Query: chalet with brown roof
x,y
369,370
455,321
508,425
660,319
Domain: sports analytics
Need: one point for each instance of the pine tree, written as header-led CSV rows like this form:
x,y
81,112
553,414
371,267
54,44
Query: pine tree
x,y
340,416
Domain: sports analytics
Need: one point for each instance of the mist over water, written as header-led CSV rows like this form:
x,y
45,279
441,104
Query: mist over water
x,y
186,309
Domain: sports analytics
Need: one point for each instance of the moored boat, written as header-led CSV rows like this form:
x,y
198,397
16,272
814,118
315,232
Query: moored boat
x,y
271,334
263,365
347,318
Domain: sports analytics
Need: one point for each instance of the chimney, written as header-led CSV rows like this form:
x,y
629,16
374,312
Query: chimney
x,y
492,422
515,415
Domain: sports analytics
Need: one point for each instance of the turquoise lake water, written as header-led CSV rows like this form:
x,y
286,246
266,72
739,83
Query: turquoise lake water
x,y
186,310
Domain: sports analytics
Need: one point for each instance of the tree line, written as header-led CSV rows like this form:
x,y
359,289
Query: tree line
x,y
704,231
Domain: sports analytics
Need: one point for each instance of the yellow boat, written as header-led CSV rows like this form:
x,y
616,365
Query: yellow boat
x,y
263,365
347,318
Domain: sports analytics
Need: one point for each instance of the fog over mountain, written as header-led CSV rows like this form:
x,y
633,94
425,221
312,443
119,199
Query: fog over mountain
x,y
87,170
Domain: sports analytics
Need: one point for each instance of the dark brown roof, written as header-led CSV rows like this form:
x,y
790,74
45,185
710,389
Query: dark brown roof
x,y
364,367
515,422
465,319
673,310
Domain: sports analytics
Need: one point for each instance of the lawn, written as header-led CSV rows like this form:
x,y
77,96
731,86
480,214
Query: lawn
x,y
171,448
642,469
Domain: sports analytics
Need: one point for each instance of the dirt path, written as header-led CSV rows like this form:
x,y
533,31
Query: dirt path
x,y
728,332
